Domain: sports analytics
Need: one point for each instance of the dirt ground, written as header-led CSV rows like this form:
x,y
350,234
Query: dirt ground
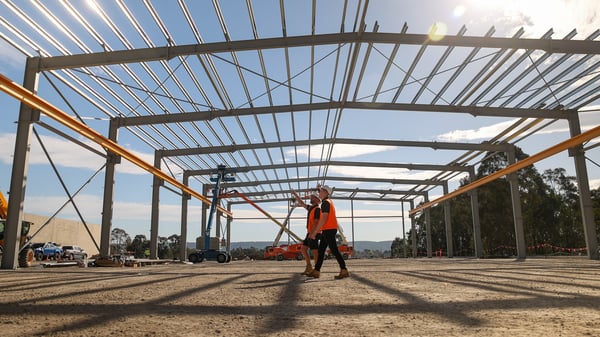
x,y
400,297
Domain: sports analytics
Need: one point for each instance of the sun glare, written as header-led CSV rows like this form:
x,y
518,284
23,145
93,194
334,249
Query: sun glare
x,y
437,31
93,5
459,11
538,16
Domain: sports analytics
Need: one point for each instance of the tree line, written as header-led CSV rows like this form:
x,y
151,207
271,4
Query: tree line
x,y
551,213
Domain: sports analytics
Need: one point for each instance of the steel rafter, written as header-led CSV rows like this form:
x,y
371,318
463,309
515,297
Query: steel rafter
x,y
165,53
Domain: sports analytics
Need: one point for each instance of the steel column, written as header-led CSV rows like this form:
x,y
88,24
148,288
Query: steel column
x,y
18,181
229,228
477,245
218,228
184,217
204,216
428,228
448,222
404,243
413,234
585,199
108,197
156,183
517,210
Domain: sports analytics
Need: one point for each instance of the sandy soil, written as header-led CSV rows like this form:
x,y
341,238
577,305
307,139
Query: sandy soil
x,y
423,297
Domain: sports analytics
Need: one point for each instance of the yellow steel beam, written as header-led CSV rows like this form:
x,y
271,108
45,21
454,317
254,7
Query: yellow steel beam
x,y
37,103
567,144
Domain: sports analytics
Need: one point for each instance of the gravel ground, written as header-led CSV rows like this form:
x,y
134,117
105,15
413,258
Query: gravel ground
x,y
400,297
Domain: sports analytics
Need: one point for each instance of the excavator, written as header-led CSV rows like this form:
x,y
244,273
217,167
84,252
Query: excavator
x,y
26,255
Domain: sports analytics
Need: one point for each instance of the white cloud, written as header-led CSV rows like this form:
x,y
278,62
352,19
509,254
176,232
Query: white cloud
x,y
11,57
341,150
594,184
379,172
588,119
536,17
563,16
485,132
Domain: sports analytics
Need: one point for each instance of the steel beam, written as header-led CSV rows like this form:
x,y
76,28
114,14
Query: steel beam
x,y
425,167
169,52
348,141
328,178
337,189
338,197
194,116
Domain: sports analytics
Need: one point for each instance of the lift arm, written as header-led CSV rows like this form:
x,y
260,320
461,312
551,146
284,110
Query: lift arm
x,y
285,222
342,235
223,174
235,193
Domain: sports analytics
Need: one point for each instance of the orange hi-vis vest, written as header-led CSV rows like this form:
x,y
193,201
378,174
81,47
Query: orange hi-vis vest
x,y
311,222
331,222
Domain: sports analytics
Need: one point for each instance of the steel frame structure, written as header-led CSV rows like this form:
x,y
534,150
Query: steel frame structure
x,y
176,100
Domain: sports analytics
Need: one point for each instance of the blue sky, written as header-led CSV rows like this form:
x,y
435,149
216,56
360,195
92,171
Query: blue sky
x,y
133,186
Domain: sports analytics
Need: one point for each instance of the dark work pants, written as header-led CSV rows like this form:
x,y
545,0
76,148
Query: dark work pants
x,y
328,240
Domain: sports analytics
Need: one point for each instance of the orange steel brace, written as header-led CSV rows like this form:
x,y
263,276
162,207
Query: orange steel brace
x,y
37,103
567,144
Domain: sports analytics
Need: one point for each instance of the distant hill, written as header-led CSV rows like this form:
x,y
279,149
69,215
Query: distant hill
x,y
358,245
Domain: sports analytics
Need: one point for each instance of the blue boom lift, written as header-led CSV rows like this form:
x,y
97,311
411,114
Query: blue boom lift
x,y
223,174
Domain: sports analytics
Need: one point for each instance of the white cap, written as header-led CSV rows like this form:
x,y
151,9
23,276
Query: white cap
x,y
328,189
315,195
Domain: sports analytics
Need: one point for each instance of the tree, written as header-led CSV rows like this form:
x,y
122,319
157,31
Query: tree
x,y
566,211
550,210
397,248
596,205
461,217
139,245
119,240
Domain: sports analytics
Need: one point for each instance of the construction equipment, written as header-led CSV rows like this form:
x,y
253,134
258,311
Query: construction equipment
x,y
26,255
291,252
282,252
207,253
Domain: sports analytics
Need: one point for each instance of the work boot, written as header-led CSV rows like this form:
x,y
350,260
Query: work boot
x,y
314,273
308,269
343,273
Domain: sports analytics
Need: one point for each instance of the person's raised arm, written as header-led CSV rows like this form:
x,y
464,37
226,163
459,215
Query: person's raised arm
x,y
300,201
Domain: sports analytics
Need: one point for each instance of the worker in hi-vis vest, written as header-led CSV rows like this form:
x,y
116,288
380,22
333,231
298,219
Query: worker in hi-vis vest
x,y
312,218
329,226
